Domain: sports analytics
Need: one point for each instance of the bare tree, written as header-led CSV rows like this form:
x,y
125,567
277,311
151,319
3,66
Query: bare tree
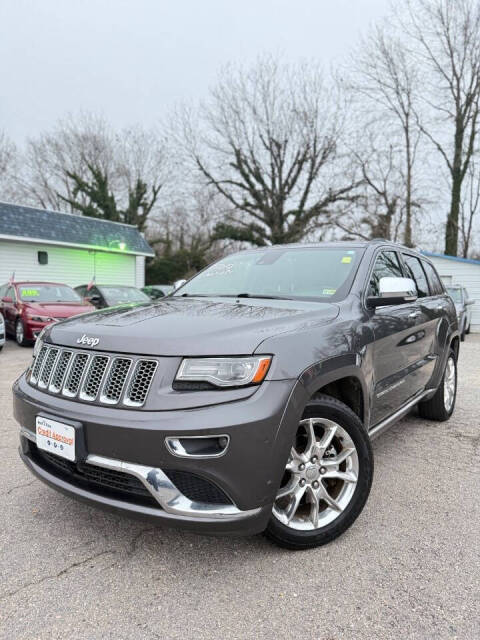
x,y
267,140
69,147
379,210
388,79
470,206
445,42
182,235
85,166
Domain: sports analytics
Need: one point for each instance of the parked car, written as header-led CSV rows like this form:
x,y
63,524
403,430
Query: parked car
x,y
156,291
2,332
108,295
463,306
29,306
249,401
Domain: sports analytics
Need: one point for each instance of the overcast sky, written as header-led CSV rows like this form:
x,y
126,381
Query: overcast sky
x,y
131,60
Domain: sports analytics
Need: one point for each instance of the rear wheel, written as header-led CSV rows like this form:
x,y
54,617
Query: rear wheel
x,y
440,407
327,478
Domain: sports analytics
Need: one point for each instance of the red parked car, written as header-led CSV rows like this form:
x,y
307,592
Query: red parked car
x,y
27,307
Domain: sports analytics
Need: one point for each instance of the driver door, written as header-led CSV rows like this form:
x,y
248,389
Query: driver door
x,y
397,345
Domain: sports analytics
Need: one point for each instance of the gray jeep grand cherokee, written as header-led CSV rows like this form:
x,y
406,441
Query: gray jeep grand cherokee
x,y
247,400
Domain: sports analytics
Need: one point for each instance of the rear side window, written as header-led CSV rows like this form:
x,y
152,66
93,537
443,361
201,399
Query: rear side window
x,y
386,266
436,286
416,272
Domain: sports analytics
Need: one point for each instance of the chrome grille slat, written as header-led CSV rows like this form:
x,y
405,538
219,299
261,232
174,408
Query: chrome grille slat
x,y
61,368
117,375
37,367
140,383
93,377
75,375
48,367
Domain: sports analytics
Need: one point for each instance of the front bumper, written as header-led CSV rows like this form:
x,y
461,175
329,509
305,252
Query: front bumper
x,y
133,442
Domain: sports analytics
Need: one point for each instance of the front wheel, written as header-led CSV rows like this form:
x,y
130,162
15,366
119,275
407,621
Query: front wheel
x,y
20,334
327,478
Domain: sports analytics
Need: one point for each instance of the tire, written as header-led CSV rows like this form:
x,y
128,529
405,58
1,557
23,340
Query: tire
x,y
319,520
441,406
20,334
462,335
467,331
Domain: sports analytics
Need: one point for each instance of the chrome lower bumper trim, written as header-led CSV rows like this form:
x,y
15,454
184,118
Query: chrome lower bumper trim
x,y
163,490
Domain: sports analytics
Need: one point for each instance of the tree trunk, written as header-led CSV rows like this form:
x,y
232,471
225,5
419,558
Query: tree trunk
x,y
451,231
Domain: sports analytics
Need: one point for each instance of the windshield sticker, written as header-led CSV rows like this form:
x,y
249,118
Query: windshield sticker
x,y
219,270
30,293
329,292
346,259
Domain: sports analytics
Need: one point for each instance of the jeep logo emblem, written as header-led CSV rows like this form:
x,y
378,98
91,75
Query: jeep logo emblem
x,y
90,342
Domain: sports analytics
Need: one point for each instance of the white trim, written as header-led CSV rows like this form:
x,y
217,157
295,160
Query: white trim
x,y
73,244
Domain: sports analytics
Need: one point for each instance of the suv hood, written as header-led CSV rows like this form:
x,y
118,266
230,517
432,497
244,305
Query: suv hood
x,y
190,326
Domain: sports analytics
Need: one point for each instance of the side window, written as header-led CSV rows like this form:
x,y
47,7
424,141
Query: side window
x,y
386,266
416,272
436,286
3,289
11,293
81,291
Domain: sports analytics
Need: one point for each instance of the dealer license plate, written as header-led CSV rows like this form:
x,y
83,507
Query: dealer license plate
x,y
56,437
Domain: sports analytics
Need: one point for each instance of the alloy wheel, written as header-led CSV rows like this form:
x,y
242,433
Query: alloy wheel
x,y
19,332
320,476
449,384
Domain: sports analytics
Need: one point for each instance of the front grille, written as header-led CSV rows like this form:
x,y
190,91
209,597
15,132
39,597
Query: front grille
x,y
107,482
92,377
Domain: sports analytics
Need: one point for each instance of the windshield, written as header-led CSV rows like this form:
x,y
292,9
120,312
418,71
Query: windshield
x,y
322,273
121,295
455,294
47,293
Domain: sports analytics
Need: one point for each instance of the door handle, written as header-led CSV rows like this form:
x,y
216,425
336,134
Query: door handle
x,y
440,307
414,315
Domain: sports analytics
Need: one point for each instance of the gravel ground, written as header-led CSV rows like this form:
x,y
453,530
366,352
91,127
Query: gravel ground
x,y
408,568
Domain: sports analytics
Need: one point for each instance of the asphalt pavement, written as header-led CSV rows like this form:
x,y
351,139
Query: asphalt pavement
x,y
408,568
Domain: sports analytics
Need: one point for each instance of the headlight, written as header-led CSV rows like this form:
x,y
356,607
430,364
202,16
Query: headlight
x,y
40,318
225,372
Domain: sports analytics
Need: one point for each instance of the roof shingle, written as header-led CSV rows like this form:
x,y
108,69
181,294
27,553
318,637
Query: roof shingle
x,y
53,227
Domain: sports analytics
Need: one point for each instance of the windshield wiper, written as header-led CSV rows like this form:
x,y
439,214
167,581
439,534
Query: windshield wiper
x,y
233,295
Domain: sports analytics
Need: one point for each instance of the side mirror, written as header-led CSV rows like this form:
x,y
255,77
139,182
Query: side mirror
x,y
7,299
469,303
178,284
95,299
394,291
